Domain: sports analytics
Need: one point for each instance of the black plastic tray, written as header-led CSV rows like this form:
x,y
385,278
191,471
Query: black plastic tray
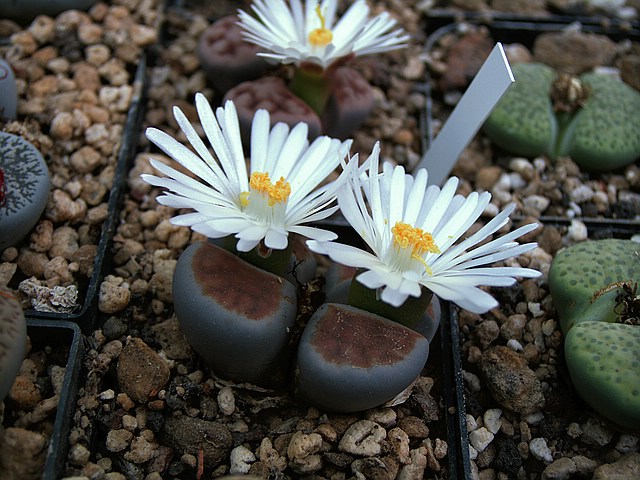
x,y
44,333
525,33
439,17
86,313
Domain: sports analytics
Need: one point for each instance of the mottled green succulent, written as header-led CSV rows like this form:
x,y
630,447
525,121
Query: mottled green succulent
x,y
586,278
604,365
597,124
593,289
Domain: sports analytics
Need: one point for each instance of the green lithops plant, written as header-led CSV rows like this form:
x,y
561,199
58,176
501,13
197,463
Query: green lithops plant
x,y
594,289
594,118
586,278
604,365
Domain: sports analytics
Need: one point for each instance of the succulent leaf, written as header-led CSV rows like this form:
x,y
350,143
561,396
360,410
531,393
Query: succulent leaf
x,y
602,135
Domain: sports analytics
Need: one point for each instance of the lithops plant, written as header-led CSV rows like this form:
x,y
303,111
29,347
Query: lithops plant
x,y
13,340
594,118
594,289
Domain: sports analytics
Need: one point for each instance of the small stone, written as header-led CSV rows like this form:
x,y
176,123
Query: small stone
x,y
118,440
192,435
79,454
511,382
141,371
241,459
226,401
627,443
86,159
363,438
480,438
627,467
414,427
578,231
25,393
561,469
539,449
142,448
594,432
22,453
492,420
113,298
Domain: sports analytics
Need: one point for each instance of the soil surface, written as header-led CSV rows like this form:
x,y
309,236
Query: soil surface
x,y
148,409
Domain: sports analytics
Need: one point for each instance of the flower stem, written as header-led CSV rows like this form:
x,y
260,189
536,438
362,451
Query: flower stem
x,y
408,314
274,261
311,85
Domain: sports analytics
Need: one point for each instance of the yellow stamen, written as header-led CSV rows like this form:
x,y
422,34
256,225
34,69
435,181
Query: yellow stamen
x,y
244,199
260,182
416,239
320,37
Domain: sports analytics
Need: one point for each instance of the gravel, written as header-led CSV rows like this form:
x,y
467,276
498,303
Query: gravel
x,y
165,416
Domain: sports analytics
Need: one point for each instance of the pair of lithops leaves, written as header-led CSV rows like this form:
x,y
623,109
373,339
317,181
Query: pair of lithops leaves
x,y
594,289
247,325
593,118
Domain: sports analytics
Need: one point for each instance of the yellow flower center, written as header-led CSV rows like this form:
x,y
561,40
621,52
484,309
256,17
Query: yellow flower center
x,y
276,192
416,240
320,37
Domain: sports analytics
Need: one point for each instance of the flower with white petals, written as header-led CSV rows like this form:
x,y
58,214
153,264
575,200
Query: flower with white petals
x,y
296,34
279,194
414,232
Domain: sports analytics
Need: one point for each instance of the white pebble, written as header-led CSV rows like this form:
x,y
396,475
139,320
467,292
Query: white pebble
x,y
539,164
535,418
363,438
535,309
523,167
536,202
578,231
517,181
471,423
491,210
107,395
241,459
480,438
492,419
226,401
504,182
580,194
539,449
473,453
515,345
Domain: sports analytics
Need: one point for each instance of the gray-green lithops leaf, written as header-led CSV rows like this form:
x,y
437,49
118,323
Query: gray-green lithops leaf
x,y
606,133
584,279
523,121
604,364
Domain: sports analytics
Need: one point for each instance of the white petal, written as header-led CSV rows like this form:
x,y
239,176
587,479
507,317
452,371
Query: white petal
x,y
276,239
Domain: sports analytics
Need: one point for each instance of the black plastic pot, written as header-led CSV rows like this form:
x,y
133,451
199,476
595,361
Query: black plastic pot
x,y
525,33
85,314
60,336
442,15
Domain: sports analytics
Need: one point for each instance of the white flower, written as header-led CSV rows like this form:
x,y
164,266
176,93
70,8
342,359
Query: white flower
x,y
291,35
413,232
278,196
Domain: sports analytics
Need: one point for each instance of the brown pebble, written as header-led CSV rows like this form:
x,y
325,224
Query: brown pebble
x,y
141,372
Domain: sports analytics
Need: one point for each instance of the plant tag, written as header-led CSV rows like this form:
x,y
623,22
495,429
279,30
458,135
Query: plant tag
x,y
467,117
